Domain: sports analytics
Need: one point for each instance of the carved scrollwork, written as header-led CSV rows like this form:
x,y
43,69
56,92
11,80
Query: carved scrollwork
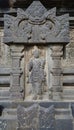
x,y
36,20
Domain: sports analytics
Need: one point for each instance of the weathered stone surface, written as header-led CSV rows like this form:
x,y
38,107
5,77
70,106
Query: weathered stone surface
x,y
27,117
3,124
36,25
56,71
16,89
37,76
5,57
55,112
47,118
36,117
68,60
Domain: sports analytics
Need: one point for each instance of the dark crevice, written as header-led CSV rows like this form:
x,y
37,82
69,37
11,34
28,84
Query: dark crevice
x,y
4,3
1,110
47,3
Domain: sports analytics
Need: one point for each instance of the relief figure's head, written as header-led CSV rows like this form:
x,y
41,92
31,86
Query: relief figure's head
x,y
36,52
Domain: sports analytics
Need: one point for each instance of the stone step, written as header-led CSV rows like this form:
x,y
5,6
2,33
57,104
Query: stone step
x,y
68,87
4,80
62,111
63,117
69,79
68,97
4,88
68,91
10,111
4,98
6,103
4,93
13,117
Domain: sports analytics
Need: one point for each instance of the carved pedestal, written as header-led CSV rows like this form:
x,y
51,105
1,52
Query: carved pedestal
x,y
36,117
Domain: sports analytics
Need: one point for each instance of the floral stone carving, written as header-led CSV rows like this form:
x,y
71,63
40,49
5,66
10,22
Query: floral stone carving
x,y
36,117
36,25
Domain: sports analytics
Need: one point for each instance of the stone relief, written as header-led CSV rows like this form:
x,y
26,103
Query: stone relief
x,y
5,58
37,75
35,25
69,54
47,117
36,117
27,117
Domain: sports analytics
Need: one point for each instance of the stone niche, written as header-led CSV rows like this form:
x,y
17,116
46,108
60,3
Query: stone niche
x,y
37,38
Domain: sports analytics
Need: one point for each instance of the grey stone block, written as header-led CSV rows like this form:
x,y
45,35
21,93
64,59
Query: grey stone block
x,y
64,124
68,71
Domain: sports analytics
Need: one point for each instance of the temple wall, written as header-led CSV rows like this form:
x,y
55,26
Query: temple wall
x,y
36,70
5,57
69,52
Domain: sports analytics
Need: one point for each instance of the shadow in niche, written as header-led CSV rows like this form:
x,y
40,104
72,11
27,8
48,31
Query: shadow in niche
x,y
4,3
1,109
72,108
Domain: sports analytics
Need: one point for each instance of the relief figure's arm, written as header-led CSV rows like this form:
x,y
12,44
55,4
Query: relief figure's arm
x,y
30,66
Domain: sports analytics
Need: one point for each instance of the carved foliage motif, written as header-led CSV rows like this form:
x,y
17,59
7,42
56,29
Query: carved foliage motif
x,y
36,24
36,117
46,117
27,117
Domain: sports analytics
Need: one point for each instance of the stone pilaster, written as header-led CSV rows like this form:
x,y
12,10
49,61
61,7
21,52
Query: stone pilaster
x,y
16,90
57,53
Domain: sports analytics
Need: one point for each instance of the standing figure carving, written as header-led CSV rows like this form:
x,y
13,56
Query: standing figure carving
x,y
37,75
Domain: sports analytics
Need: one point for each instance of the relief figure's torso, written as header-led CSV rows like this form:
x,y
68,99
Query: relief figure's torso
x,y
37,72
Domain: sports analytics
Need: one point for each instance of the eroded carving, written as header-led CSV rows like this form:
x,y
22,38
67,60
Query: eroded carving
x,y
37,75
46,117
57,53
36,25
27,117
36,117
3,125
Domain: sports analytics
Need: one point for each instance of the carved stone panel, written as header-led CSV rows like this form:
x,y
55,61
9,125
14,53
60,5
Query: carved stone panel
x,y
33,28
36,73
36,25
47,118
36,117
